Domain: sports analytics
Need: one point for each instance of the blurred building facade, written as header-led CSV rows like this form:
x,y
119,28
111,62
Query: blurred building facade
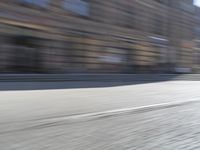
x,y
98,36
197,40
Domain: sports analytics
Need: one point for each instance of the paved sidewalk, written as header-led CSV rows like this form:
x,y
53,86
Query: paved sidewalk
x,y
175,128
18,108
23,114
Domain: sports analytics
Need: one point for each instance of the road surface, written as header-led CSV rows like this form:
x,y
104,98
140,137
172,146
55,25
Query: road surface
x,y
23,116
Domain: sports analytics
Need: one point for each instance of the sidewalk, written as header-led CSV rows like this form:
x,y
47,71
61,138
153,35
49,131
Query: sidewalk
x,y
23,115
167,129
38,104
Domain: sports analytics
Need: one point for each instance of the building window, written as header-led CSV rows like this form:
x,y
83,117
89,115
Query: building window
x,y
158,25
40,3
188,7
197,31
79,7
165,2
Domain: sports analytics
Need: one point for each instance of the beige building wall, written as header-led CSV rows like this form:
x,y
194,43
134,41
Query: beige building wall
x,y
113,36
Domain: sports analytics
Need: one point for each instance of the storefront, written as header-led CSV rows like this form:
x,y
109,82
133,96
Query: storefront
x,y
20,50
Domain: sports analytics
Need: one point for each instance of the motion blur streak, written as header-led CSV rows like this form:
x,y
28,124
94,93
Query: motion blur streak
x,y
99,75
107,36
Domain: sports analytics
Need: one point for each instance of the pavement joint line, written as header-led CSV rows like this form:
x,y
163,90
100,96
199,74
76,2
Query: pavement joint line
x,y
123,111
56,121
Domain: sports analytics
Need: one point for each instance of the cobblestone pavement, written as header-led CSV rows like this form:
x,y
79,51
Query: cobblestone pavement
x,y
176,128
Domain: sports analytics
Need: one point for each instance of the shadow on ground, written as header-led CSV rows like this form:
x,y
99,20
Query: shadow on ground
x,y
83,83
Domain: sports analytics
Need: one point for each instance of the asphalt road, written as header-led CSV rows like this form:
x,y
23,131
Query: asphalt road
x,y
23,114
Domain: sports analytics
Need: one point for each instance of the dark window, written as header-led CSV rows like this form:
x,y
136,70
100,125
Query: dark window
x,y
165,2
158,25
197,31
27,56
79,7
40,3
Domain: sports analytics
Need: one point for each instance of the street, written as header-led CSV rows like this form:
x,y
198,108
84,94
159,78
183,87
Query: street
x,y
100,75
172,128
37,119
